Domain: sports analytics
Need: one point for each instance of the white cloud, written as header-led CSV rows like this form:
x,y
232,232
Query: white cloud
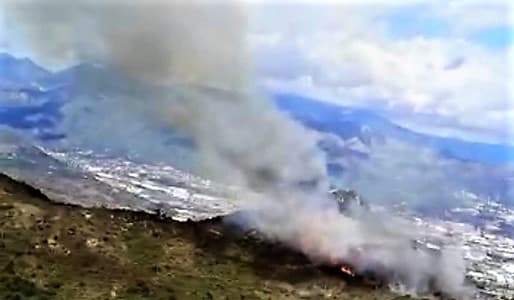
x,y
351,60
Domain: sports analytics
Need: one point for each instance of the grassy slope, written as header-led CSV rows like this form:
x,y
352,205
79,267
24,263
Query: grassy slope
x,y
51,251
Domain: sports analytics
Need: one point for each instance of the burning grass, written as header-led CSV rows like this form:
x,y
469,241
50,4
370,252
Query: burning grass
x,y
54,251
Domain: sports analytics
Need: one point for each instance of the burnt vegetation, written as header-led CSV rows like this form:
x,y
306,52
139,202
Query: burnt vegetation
x,y
52,251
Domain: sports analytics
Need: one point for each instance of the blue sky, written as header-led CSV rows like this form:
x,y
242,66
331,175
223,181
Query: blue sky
x,y
414,20
410,21
499,37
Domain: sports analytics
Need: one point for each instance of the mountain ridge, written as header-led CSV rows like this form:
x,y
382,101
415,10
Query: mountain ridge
x,y
347,122
368,126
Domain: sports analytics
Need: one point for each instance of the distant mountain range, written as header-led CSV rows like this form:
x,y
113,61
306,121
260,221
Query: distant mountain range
x,y
19,72
31,99
370,127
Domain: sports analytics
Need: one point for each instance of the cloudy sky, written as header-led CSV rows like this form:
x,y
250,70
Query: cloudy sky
x,y
444,67
439,66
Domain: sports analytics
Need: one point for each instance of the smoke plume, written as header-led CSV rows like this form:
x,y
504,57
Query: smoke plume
x,y
198,51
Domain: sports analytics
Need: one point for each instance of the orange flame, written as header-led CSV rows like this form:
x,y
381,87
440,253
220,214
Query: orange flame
x,y
347,270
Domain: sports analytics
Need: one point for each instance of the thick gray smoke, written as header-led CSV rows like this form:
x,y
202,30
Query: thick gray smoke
x,y
199,51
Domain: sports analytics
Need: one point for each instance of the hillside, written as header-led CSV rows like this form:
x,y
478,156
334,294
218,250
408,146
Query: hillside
x,y
52,251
